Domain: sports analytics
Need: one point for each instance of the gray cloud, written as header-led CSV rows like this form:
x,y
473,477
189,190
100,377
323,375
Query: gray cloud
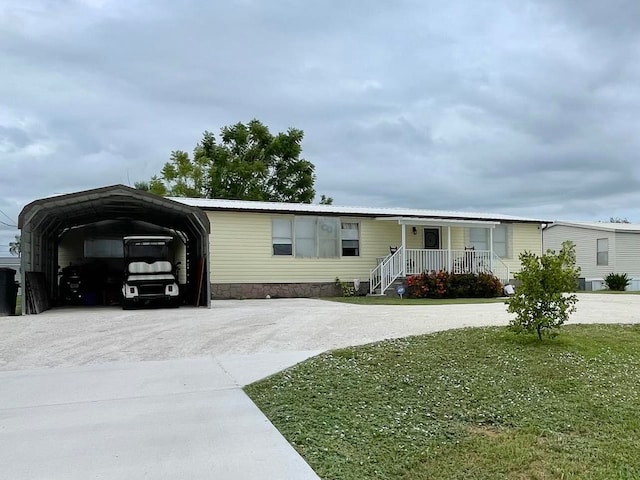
x,y
527,108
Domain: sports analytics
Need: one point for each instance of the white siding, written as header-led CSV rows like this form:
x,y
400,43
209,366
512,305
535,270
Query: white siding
x,y
585,240
627,259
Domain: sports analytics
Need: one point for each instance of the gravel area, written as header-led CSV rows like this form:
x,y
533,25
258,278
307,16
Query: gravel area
x,y
80,336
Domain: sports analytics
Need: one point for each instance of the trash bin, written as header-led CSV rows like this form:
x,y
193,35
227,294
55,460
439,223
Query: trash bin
x,y
8,292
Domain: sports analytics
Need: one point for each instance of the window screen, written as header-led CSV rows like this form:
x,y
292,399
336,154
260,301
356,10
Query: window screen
x,y
305,234
500,241
281,237
479,238
602,255
328,237
350,239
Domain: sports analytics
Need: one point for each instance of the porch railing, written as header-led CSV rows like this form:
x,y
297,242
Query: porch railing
x,y
454,261
417,261
501,269
386,272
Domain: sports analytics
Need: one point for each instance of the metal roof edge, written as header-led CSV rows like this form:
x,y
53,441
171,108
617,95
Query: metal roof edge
x,y
603,226
293,208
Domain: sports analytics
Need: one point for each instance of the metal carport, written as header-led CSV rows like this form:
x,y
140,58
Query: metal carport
x,y
44,221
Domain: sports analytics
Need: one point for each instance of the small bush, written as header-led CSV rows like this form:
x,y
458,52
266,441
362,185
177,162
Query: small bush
x,y
347,289
617,281
543,302
453,285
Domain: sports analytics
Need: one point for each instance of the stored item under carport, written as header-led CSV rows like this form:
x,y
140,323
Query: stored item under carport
x,y
150,277
8,291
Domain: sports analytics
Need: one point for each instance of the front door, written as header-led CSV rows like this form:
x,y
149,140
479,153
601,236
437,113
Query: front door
x,y
434,260
432,238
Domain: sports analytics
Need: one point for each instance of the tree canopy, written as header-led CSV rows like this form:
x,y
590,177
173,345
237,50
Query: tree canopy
x,y
247,162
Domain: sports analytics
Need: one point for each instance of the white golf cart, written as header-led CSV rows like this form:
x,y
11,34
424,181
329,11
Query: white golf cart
x,y
149,277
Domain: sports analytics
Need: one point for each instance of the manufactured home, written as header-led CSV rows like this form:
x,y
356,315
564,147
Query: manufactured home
x,y
260,249
601,248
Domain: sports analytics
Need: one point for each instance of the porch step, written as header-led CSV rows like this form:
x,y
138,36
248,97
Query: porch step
x,y
391,290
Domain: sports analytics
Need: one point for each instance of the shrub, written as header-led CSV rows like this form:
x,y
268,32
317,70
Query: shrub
x,y
617,281
488,286
542,302
347,289
453,285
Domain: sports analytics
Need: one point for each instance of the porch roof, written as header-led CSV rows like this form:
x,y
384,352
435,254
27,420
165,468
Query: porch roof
x,y
436,222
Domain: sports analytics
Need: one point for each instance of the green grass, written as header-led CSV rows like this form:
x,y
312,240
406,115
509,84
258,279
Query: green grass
x,y
388,300
467,404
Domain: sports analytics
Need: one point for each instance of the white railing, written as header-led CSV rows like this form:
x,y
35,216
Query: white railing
x,y
419,261
501,269
454,261
386,272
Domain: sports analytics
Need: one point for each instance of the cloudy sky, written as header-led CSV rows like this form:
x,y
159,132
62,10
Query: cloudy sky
x,y
529,107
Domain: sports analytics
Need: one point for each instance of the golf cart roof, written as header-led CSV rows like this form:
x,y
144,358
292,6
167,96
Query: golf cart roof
x,y
154,239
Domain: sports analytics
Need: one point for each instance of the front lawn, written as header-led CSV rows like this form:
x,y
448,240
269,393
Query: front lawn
x,y
467,404
389,300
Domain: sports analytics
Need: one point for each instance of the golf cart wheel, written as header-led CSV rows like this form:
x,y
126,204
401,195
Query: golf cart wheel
x,y
128,304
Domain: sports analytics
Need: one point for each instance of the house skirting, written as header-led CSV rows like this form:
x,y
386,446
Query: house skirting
x,y
279,290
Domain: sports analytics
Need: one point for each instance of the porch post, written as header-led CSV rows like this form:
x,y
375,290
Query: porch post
x,y
404,250
449,259
491,249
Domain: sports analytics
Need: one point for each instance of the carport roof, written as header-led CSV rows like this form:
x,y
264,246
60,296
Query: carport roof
x,y
112,202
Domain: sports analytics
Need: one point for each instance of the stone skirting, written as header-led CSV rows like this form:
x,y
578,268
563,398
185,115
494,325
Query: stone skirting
x,y
279,290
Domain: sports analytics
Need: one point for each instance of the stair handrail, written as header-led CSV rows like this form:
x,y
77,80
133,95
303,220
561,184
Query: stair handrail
x,y
387,271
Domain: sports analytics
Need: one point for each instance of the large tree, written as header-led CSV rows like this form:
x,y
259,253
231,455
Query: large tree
x,y
246,163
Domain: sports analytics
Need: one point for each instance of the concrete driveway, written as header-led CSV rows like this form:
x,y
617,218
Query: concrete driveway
x,y
73,337
156,393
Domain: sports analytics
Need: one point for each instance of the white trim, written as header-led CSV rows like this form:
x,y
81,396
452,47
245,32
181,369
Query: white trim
x,y
275,207
441,223
604,226
449,258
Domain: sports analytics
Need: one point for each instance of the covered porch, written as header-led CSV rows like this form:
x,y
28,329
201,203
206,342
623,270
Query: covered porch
x,y
430,245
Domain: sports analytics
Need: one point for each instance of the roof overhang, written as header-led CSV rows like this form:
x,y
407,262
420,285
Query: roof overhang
x,y
436,222
601,226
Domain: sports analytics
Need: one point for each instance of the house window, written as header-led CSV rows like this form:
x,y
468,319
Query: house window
x,y
307,237
103,248
305,228
479,238
602,256
282,239
501,241
328,237
350,239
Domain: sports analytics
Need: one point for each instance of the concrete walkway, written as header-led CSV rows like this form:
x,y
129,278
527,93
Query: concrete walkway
x,y
158,420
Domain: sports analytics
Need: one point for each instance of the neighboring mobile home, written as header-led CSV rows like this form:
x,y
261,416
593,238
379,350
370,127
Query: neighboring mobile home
x,y
260,249
601,248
